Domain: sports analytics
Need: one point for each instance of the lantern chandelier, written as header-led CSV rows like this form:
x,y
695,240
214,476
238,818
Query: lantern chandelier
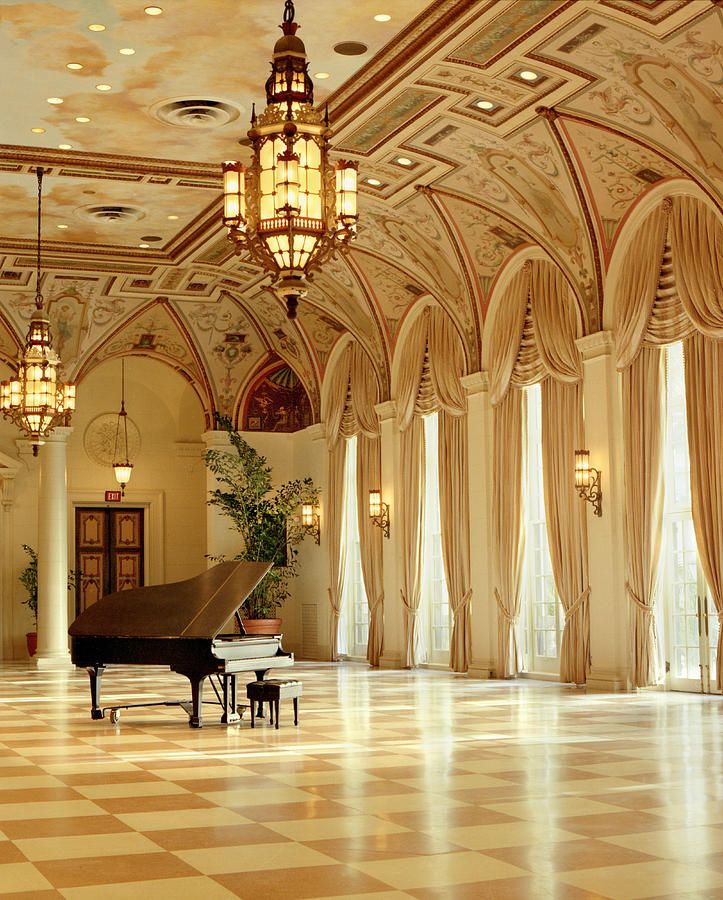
x,y
122,466
35,400
291,209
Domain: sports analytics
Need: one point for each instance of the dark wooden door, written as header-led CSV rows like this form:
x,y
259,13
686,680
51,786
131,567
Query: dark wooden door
x,y
108,552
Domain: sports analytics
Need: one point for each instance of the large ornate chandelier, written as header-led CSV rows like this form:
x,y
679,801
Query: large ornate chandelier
x,y
35,400
291,209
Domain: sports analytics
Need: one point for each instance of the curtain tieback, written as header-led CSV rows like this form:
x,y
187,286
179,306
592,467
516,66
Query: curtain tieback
x,y
335,610
505,614
411,611
577,605
377,603
643,607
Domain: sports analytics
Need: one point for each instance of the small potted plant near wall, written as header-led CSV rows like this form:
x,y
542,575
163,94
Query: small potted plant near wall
x,y
266,520
29,580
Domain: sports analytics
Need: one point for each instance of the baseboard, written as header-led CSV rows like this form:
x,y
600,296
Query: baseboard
x,y
390,661
608,681
480,668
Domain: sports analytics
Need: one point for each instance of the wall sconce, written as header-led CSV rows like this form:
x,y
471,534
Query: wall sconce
x,y
587,481
379,512
310,521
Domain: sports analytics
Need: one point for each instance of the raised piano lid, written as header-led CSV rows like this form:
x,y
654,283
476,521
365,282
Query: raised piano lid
x,y
196,608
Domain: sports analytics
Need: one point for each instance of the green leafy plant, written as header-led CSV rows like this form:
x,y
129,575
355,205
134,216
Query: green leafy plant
x,y
264,516
29,580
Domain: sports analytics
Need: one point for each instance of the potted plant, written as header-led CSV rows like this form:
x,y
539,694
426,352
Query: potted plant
x,y
29,580
266,519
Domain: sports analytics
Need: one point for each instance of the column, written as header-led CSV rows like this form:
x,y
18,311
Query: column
x,y
221,539
7,592
392,654
479,436
53,553
609,614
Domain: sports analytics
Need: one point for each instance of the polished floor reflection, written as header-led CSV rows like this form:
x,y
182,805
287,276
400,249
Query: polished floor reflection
x,y
395,785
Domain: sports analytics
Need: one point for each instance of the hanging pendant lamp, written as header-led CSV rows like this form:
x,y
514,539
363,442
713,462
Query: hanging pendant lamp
x,y
124,467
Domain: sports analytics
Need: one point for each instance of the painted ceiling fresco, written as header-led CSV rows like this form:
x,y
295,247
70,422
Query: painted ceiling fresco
x,y
474,161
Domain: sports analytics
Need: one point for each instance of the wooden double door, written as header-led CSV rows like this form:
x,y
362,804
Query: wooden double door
x,y
108,552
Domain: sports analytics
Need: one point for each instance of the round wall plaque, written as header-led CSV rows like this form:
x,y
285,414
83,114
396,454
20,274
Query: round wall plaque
x,y
99,439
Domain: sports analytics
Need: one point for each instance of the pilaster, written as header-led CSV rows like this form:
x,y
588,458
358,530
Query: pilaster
x,y
220,536
609,614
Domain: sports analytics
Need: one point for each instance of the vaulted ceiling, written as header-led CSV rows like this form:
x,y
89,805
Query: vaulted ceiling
x,y
472,160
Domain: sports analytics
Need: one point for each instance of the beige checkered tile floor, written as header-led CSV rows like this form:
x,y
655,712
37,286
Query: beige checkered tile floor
x,y
395,785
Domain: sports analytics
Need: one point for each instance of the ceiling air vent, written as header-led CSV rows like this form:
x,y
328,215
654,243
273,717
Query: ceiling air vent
x,y
195,112
110,214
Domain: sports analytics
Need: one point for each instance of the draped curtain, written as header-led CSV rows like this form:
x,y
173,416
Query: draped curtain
x,y
431,381
670,290
534,341
349,410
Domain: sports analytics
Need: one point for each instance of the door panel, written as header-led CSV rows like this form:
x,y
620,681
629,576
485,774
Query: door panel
x,y
109,552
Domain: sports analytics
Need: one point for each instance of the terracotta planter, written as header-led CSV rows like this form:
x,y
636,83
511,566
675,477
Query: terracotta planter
x,y
31,639
262,626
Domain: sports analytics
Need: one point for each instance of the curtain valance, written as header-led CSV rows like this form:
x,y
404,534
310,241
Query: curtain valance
x,y
353,393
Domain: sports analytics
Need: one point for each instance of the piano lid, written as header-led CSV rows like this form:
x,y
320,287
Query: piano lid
x,y
196,608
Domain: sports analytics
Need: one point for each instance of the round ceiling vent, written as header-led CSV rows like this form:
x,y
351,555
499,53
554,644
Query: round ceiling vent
x,y
109,214
350,48
151,237
196,112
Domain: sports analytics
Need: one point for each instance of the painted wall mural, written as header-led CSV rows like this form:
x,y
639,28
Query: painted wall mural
x,y
277,402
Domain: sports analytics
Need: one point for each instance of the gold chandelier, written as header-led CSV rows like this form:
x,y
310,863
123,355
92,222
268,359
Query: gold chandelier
x,y
35,400
123,468
291,209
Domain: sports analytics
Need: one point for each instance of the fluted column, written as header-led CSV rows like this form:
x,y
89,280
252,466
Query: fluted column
x,y
484,612
392,654
53,553
609,607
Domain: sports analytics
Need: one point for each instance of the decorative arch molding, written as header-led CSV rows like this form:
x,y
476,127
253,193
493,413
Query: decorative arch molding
x,y
267,367
631,223
502,281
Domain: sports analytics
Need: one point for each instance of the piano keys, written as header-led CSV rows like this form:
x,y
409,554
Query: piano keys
x,y
178,625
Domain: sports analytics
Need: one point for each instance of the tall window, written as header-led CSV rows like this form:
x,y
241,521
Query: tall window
x,y
691,633
354,617
434,603
541,605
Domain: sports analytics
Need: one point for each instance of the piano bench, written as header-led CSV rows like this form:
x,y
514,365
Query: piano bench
x,y
272,691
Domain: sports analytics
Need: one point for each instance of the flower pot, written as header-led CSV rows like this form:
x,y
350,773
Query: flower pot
x,y
31,639
262,626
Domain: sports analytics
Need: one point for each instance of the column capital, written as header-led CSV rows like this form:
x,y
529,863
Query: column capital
x,y
58,435
317,431
192,449
386,410
593,346
216,439
475,383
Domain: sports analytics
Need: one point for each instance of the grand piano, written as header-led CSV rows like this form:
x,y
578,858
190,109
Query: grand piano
x,y
178,625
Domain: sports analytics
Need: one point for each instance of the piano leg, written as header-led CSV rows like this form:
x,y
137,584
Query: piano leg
x,y
96,673
195,720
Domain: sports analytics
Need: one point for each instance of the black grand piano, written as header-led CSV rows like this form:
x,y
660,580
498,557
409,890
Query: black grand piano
x,y
178,625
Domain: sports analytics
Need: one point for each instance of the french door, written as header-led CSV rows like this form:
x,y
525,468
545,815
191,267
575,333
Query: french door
x,y
108,552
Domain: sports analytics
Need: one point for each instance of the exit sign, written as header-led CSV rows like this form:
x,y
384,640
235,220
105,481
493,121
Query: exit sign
x,y
112,496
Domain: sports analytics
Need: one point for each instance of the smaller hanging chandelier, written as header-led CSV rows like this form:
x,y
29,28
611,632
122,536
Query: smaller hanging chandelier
x,y
291,209
123,470
35,400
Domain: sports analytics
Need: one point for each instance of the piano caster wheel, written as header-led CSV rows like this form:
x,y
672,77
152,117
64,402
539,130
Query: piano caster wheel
x,y
97,714
114,716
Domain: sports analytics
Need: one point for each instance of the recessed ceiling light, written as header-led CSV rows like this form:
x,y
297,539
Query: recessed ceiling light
x,y
374,182
153,10
144,246
62,226
382,17
527,75
103,87
321,74
82,119
56,101
65,146
485,104
96,27
38,130
404,161
127,51
74,66
173,217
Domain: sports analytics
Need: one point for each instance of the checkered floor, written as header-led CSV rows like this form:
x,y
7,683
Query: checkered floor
x,y
394,785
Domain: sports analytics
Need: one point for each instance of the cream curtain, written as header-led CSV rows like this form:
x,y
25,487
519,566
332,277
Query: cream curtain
x,y
507,328
509,538
555,322
368,475
454,515
337,554
348,411
643,412
411,516
704,399
562,432
696,239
